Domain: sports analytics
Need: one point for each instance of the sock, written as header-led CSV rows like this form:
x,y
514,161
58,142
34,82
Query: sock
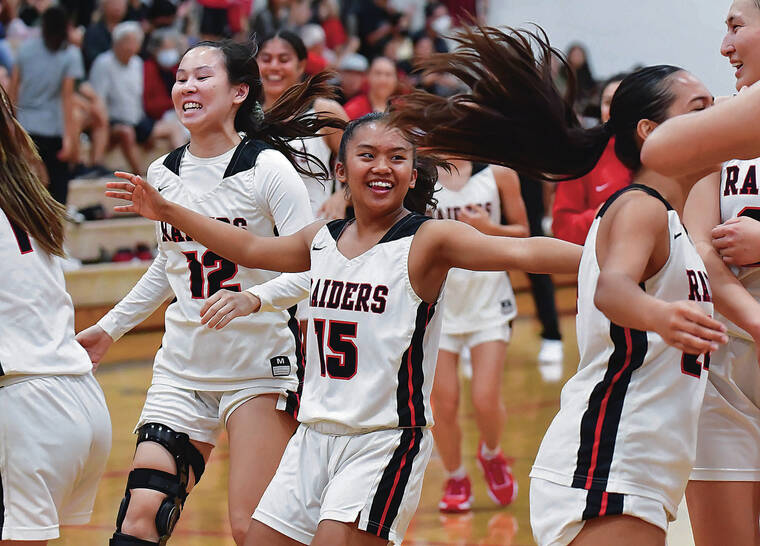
x,y
489,453
459,474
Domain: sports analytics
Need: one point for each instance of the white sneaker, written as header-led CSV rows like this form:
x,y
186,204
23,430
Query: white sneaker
x,y
550,360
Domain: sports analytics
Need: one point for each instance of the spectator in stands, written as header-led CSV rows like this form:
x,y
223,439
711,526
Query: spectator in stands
x,y
222,18
585,84
353,73
42,87
161,14
271,18
117,76
91,115
97,37
328,15
318,57
382,81
375,25
444,85
437,24
164,49
576,202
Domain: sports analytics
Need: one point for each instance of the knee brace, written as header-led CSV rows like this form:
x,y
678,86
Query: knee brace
x,y
174,486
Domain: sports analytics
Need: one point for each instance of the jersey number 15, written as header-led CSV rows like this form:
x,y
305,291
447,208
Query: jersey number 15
x,y
341,364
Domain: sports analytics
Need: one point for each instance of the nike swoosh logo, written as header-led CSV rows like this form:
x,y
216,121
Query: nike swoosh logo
x,y
317,247
677,235
602,187
162,188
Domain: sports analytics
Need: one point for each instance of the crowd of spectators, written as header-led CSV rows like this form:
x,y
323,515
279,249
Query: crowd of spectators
x,y
100,72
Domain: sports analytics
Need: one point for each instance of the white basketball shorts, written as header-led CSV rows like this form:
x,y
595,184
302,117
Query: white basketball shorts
x,y
374,479
55,436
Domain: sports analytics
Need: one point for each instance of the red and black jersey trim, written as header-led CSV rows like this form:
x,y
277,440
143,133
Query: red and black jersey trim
x,y
293,402
601,420
405,227
410,402
390,491
602,503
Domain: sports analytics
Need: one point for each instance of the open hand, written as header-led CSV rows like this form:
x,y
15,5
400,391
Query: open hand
x,y
685,326
96,342
225,305
145,200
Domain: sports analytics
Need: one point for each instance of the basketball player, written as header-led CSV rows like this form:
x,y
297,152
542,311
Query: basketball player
x,y
245,377
724,492
477,315
55,432
352,473
616,459
282,60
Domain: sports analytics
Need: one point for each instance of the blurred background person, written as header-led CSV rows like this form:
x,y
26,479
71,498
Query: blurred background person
x,y
117,76
576,202
352,71
42,86
97,37
577,58
382,85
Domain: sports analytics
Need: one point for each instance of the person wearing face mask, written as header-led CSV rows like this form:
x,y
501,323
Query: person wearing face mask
x,y
159,71
438,23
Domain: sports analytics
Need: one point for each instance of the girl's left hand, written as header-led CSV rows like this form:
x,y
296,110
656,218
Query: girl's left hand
x,y
225,305
146,201
476,216
737,240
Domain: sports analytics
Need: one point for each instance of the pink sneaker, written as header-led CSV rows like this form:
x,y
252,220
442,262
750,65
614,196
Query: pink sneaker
x,y
502,487
457,496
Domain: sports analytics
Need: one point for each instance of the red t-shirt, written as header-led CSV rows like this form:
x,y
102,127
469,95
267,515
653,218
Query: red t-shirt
x,y
156,97
358,107
576,201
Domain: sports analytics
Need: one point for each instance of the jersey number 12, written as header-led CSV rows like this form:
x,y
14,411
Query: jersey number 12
x,y
221,271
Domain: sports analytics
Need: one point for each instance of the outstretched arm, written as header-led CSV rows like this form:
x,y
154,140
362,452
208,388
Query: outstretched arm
x,y
443,244
700,141
290,253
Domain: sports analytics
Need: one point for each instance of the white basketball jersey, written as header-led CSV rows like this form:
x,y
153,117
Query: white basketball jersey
x,y
739,197
261,348
37,329
319,190
627,422
373,342
475,299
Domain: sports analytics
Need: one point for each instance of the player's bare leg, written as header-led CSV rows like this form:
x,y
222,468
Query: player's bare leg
x,y
258,434
445,401
260,533
724,512
487,368
337,533
620,530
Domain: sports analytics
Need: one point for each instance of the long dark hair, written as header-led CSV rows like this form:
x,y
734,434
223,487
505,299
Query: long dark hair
x,y
23,197
287,119
514,114
293,40
418,199
55,28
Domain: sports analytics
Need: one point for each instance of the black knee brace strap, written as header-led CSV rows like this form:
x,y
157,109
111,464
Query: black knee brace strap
x,y
120,539
174,486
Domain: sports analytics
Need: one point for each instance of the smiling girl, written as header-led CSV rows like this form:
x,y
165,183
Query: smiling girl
x,y
245,377
614,464
352,473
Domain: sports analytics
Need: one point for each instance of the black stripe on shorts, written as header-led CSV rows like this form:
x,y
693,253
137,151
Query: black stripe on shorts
x,y
390,491
602,503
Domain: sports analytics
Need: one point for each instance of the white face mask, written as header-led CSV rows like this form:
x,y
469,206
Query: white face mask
x,y
168,58
441,25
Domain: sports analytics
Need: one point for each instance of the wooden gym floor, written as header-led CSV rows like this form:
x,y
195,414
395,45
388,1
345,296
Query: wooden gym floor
x,y
530,403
